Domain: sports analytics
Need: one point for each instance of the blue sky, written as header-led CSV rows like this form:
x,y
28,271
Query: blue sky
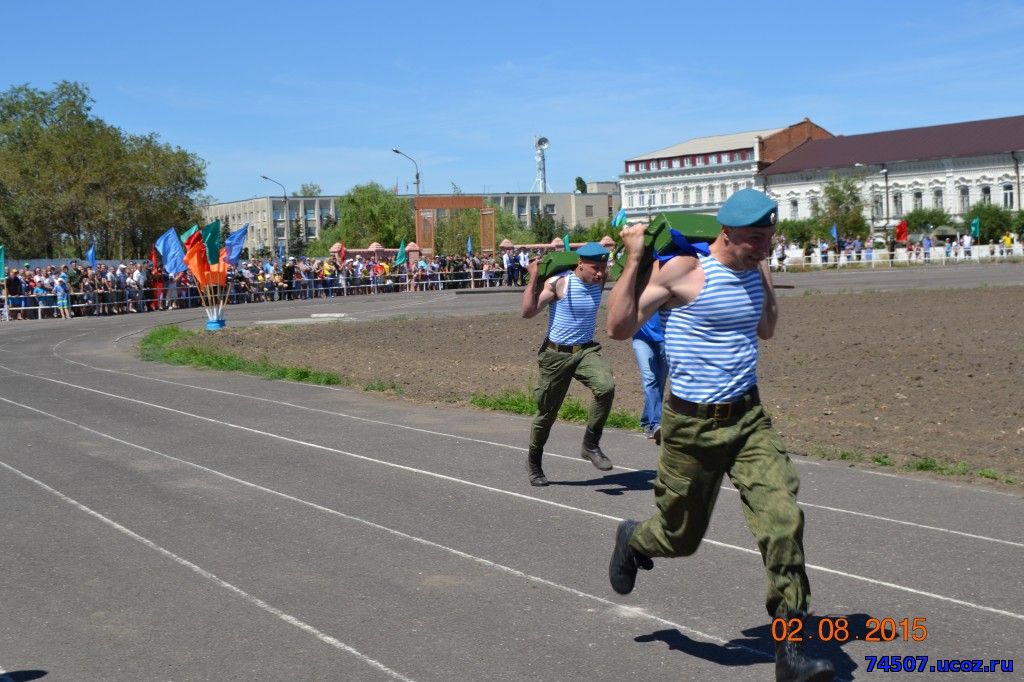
x,y
321,92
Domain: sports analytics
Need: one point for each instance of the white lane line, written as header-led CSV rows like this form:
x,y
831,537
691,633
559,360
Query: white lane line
x,y
517,448
631,611
500,491
255,601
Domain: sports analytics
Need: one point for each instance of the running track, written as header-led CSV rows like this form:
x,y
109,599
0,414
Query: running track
x,y
164,523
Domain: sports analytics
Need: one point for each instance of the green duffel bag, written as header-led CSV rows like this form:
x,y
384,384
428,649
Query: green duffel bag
x,y
696,227
554,262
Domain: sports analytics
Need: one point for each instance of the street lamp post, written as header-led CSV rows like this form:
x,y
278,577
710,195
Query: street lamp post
x,y
284,195
400,152
885,174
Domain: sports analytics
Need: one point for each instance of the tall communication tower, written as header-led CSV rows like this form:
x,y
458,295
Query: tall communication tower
x,y
541,181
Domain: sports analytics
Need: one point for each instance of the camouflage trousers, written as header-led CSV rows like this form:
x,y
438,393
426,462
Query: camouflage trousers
x,y
695,455
557,370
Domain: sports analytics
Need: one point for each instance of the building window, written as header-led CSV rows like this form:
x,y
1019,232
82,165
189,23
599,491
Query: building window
x,y
631,168
937,199
663,164
721,191
686,196
814,206
711,194
310,214
661,199
699,160
588,211
897,203
629,201
278,214
687,161
735,187
549,209
726,158
877,210
986,195
1008,196
675,163
794,209
698,196
675,197
918,200
650,198
965,199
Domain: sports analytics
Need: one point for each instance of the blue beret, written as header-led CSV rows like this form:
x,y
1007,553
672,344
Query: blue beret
x,y
748,208
593,251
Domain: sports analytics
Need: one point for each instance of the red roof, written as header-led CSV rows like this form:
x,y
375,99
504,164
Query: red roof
x,y
972,138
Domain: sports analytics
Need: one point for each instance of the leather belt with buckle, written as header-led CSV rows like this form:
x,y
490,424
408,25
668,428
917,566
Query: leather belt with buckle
x,y
562,348
720,412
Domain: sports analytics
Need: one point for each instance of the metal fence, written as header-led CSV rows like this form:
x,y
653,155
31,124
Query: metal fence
x,y
245,291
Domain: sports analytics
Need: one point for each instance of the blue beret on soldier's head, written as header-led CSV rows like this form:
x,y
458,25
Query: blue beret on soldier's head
x,y
593,251
748,208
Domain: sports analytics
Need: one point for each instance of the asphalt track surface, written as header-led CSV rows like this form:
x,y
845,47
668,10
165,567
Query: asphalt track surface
x,y
166,523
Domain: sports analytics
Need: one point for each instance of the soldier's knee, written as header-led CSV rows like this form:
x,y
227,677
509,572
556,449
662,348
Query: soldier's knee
x,y
604,391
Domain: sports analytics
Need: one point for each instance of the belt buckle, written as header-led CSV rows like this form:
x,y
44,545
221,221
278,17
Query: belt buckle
x,y
577,348
721,411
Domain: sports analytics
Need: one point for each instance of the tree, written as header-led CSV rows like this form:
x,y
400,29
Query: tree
x,y
926,219
994,221
308,189
296,240
370,213
68,178
803,232
543,227
508,226
842,207
581,185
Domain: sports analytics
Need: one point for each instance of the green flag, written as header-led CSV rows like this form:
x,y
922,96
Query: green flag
x,y
211,237
191,231
565,241
976,228
401,258
3,260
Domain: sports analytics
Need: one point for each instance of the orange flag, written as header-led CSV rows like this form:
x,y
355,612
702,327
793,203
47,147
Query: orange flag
x,y
219,270
198,264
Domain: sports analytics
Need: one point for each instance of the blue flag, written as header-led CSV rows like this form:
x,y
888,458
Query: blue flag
x,y
90,256
620,219
469,245
171,252
976,227
835,233
280,251
234,243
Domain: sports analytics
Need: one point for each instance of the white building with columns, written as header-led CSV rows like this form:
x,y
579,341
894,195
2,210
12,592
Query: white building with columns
x,y
951,166
698,175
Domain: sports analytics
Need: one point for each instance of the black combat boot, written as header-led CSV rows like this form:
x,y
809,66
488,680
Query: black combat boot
x,y
537,477
591,451
792,664
626,560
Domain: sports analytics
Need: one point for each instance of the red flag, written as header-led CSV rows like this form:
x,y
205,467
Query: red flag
x,y
902,231
341,254
152,256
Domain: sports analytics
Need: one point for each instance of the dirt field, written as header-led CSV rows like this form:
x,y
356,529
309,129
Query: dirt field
x,y
908,375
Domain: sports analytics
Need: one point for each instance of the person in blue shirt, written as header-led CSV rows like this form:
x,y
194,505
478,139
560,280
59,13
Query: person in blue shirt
x,y
649,349
570,352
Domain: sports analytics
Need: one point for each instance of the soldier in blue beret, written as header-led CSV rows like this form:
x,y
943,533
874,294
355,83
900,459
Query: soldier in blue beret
x,y
713,423
568,352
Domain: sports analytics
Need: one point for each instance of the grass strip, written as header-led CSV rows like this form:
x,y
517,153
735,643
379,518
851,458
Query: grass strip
x,y
573,409
176,346
927,464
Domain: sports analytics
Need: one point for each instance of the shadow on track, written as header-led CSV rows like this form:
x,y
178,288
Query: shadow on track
x,y
624,482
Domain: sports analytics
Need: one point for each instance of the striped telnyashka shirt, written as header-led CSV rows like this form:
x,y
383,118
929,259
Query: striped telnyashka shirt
x,y
711,342
573,319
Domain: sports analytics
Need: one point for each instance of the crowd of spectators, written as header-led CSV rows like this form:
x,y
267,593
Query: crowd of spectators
x,y
139,286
